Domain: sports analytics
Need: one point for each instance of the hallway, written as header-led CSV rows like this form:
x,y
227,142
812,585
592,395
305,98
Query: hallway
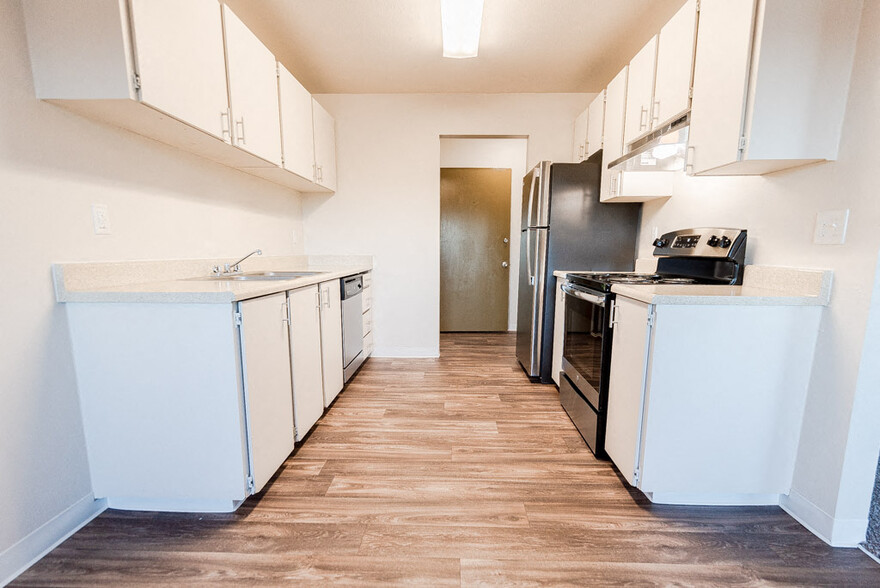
x,y
447,472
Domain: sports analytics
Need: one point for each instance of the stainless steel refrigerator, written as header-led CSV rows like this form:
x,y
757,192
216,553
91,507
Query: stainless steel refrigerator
x,y
564,227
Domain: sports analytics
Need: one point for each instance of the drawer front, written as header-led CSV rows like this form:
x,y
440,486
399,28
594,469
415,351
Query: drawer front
x,y
368,321
368,279
368,344
581,413
367,298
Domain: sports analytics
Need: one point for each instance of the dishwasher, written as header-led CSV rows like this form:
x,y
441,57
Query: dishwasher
x,y
352,325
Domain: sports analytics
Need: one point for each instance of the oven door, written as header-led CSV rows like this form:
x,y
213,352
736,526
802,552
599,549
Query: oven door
x,y
585,334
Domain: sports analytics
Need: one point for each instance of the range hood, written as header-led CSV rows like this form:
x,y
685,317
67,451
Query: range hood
x,y
663,150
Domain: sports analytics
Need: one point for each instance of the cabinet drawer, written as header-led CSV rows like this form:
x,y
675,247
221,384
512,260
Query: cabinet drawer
x,y
368,279
368,345
367,298
368,321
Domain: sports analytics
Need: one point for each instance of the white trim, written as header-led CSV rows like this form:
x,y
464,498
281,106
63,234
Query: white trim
x,y
31,548
869,554
410,352
834,532
140,503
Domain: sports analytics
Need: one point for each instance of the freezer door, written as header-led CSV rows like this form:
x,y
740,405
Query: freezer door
x,y
536,197
530,321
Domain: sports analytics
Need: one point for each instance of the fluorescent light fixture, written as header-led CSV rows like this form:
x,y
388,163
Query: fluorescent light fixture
x,y
461,27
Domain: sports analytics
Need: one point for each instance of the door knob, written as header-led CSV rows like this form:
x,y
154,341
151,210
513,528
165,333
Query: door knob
x,y
504,264
506,240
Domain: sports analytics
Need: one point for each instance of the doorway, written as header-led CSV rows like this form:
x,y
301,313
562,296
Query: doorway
x,y
474,249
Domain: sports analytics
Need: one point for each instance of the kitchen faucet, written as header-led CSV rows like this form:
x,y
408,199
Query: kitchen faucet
x,y
229,268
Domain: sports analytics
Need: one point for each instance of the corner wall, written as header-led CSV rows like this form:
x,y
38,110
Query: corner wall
x,y
388,199
163,204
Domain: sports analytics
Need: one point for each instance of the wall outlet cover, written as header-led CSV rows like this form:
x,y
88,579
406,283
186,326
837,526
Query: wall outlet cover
x,y
101,219
831,227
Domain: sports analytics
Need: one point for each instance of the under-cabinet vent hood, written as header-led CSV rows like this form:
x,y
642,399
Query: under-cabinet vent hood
x,y
663,150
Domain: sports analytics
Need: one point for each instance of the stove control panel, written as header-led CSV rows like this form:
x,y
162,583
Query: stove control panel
x,y
708,242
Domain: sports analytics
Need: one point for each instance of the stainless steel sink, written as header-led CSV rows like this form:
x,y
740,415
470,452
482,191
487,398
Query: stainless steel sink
x,y
256,276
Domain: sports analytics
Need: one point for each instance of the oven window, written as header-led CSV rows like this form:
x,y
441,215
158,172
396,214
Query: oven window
x,y
584,322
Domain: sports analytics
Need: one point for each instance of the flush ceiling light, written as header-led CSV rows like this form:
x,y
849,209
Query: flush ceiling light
x,y
461,27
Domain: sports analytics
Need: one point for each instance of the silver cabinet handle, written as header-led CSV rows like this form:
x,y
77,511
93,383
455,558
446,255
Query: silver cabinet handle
x,y
286,316
320,173
504,264
592,298
655,116
239,124
643,118
326,298
612,315
689,159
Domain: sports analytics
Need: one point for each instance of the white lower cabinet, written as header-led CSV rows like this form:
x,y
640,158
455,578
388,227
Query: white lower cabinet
x,y
186,407
705,401
558,331
331,339
305,358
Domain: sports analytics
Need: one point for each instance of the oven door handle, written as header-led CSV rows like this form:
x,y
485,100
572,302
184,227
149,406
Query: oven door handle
x,y
591,298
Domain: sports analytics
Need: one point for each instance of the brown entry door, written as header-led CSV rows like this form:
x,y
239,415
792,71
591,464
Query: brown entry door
x,y
474,248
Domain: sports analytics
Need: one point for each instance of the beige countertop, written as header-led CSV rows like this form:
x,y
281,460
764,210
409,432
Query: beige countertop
x,y
179,281
762,286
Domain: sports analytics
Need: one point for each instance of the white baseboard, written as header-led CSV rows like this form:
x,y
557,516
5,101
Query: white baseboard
x,y
685,498
19,557
407,352
834,532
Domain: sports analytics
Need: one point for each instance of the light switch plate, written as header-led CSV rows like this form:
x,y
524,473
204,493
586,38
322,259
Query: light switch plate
x,y
831,227
101,219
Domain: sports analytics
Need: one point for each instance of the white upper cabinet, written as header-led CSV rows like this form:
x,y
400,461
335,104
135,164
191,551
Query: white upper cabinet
x,y
639,92
579,142
298,136
253,91
595,124
770,83
675,65
325,147
179,52
615,111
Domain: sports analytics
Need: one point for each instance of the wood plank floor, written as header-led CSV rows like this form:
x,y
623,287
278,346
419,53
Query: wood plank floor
x,y
450,472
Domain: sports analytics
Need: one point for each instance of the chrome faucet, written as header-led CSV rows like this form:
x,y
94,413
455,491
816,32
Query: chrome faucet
x,y
229,268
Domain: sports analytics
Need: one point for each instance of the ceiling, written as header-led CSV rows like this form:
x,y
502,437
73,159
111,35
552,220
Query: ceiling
x,y
394,46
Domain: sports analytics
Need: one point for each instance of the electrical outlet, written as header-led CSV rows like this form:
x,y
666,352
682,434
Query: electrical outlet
x,y
101,219
831,227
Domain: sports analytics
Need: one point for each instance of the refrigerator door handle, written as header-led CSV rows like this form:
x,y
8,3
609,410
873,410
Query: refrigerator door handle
x,y
535,176
529,256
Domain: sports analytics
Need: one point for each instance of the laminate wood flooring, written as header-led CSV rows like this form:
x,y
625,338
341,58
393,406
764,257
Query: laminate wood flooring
x,y
454,471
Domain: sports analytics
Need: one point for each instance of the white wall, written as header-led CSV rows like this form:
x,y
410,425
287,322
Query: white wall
x,y
388,199
502,154
163,204
839,443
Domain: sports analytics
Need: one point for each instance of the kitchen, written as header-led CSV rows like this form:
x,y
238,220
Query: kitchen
x,y
168,204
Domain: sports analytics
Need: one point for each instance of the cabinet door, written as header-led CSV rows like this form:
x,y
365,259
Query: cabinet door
x,y
331,339
639,91
253,91
558,331
721,71
297,132
305,357
615,111
675,64
266,374
325,146
179,53
579,144
629,354
595,124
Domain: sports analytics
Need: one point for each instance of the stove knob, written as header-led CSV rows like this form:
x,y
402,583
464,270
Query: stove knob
x,y
713,241
660,242
725,242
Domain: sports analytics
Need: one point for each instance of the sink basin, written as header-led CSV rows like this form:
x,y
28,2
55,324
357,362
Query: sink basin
x,y
256,276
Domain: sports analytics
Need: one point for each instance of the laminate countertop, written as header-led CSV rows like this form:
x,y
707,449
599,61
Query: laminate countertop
x,y
762,286
183,281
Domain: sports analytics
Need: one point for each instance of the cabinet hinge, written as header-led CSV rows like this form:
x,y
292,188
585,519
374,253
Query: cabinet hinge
x,y
742,143
136,80
250,484
636,476
295,432
651,320
699,2
691,92
237,317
